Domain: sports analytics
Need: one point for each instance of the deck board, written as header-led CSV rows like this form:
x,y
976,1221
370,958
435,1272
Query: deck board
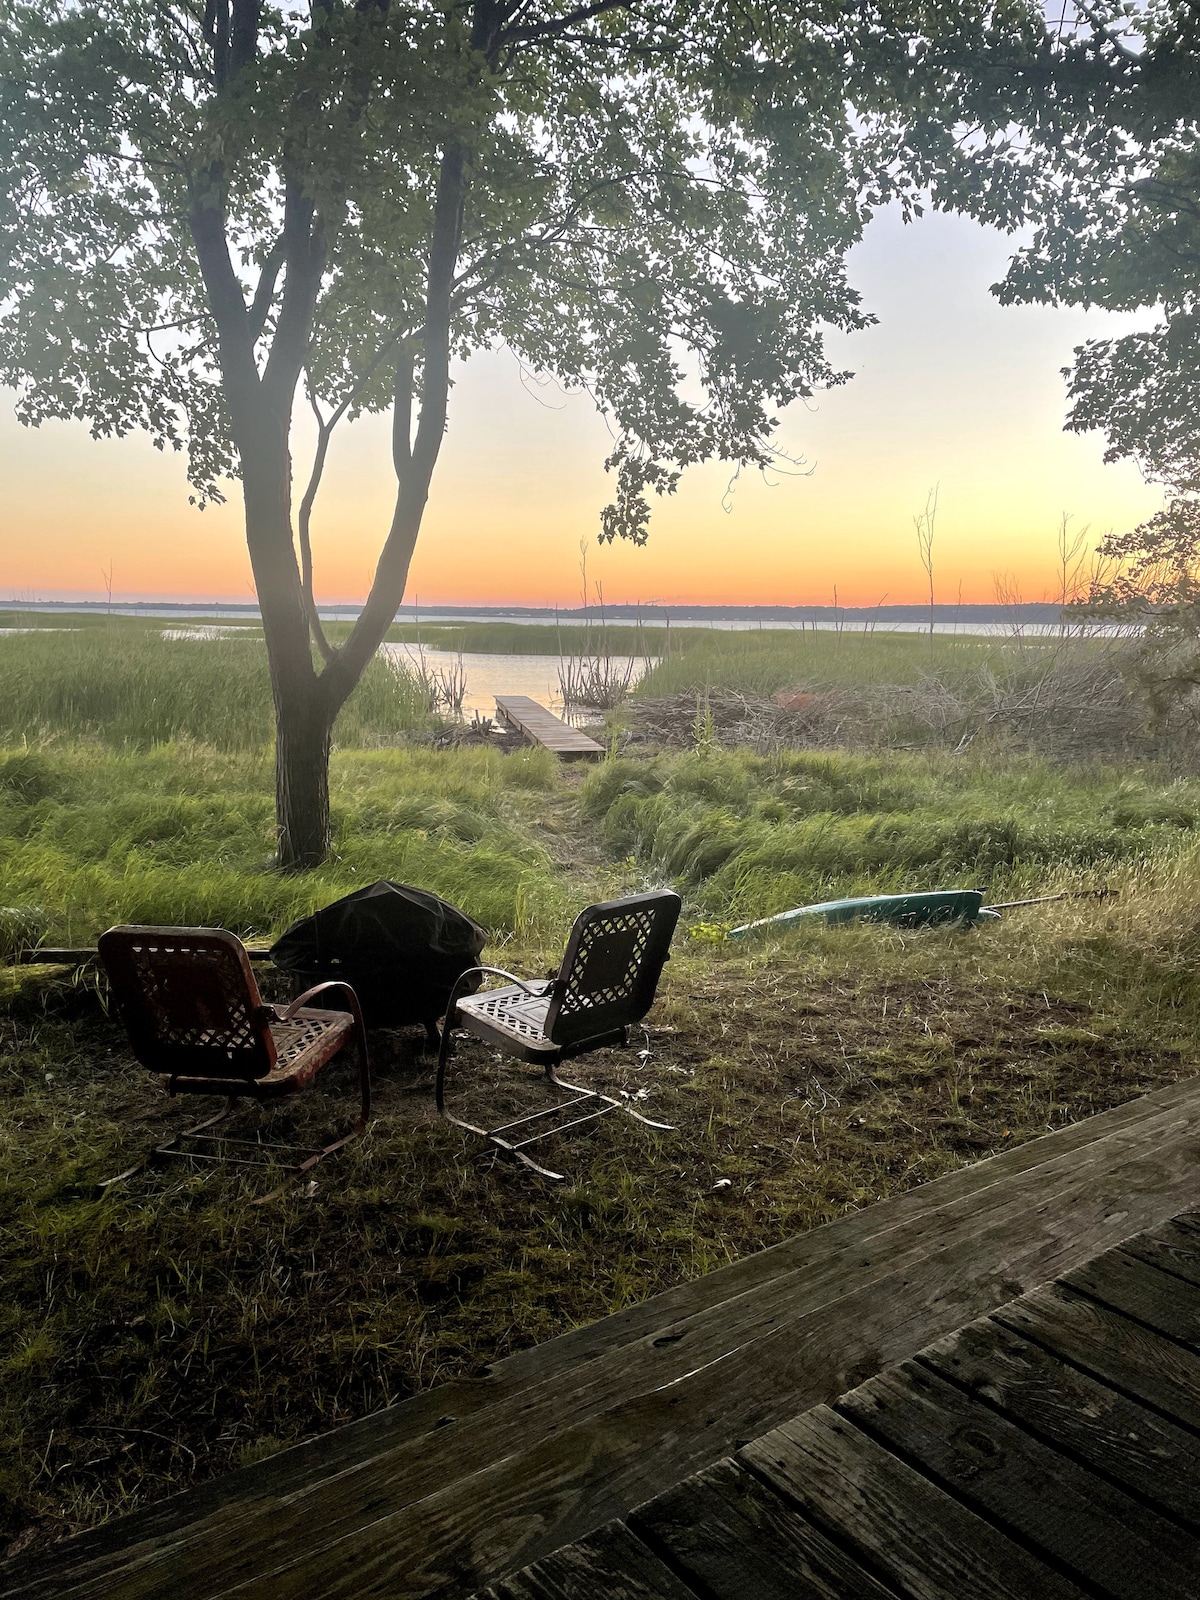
x,y
734,1539
542,727
1174,1248
480,1479
612,1563
1076,1413
885,1511
1071,1516
1161,1300
1128,1357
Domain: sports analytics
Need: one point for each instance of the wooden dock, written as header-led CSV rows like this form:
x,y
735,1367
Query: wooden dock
x,y
542,727
984,1444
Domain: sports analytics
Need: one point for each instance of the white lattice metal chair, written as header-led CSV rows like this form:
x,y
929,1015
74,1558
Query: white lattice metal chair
x,y
607,981
192,1010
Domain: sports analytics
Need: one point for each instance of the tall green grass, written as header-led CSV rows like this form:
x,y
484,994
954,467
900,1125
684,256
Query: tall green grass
x,y
127,686
746,836
184,834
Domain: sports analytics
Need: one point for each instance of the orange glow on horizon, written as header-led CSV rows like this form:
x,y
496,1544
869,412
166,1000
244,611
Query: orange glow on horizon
x,y
950,389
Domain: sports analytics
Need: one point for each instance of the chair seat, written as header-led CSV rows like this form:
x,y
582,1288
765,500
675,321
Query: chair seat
x,y
303,1045
515,1021
512,1018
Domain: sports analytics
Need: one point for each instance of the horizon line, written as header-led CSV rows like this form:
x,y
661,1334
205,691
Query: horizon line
x,y
624,610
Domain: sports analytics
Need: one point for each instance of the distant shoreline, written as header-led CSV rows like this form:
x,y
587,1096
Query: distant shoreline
x,y
1033,612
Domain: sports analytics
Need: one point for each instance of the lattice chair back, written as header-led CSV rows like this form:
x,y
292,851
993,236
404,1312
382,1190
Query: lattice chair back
x,y
189,1002
612,965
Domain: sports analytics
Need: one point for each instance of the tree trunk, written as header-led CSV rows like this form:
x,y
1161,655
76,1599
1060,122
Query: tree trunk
x,y
304,711
302,735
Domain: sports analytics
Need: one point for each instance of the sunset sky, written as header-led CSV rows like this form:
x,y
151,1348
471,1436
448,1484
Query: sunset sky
x,y
951,388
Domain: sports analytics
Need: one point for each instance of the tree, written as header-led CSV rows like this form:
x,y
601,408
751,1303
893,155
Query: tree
x,y
206,204
1104,166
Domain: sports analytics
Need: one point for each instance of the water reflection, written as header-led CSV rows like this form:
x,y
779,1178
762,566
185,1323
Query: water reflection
x,y
490,675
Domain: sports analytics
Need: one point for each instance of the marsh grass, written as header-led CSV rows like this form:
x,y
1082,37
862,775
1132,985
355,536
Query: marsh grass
x,y
747,836
126,685
184,834
761,663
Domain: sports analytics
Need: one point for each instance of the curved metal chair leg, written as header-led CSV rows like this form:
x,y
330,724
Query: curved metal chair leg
x,y
496,1136
172,1145
445,1051
577,1088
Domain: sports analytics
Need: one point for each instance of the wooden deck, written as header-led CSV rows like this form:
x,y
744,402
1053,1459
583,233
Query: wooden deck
x,y
1049,1451
542,727
735,1377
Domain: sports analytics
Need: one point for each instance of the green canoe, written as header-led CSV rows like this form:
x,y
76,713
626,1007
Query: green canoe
x,y
901,910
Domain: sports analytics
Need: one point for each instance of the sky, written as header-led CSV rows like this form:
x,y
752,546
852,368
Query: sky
x,y
951,389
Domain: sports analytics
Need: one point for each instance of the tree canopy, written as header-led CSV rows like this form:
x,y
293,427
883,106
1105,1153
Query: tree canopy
x,y
1103,166
658,207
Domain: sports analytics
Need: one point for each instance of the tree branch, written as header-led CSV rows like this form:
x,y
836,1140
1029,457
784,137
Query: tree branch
x,y
304,256
260,306
415,466
549,30
402,413
324,429
1100,30
225,300
215,28
243,35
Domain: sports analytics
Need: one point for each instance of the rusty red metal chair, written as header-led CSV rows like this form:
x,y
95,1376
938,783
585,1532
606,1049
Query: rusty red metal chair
x,y
193,1013
606,982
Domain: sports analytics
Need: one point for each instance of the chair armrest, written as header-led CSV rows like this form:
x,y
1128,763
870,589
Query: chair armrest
x,y
535,990
319,988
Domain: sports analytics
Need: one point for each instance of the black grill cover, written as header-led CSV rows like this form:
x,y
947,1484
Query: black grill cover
x,y
400,948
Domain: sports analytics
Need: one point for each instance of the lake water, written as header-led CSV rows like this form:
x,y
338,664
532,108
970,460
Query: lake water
x,y
490,675
857,620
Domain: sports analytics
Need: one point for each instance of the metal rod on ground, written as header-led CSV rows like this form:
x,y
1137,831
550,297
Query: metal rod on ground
x,y
1067,894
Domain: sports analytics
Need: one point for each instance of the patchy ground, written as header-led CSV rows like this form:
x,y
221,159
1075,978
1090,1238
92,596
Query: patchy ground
x,y
170,1329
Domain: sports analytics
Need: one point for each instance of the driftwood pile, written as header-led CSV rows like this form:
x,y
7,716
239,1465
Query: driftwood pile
x,y
1078,708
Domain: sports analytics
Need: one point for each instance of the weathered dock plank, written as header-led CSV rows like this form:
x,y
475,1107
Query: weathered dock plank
x,y
474,1480
1159,1299
1075,1412
1112,1347
544,728
731,1536
612,1564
